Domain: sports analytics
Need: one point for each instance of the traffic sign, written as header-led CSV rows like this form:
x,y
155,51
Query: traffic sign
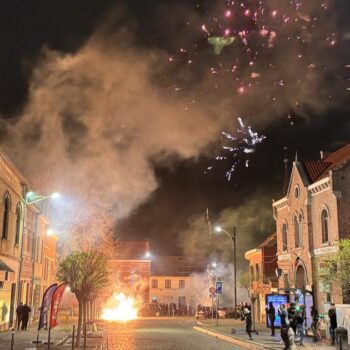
x,y
219,287
212,290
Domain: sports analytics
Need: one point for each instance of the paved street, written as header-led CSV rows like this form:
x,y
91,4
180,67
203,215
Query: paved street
x,y
161,334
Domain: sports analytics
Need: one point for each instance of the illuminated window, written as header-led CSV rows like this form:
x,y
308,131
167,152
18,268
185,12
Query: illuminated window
x,y
324,223
154,283
5,217
284,237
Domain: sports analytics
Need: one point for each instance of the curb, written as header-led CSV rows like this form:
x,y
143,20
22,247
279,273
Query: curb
x,y
233,340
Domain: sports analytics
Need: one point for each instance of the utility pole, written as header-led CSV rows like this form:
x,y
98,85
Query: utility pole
x,y
235,264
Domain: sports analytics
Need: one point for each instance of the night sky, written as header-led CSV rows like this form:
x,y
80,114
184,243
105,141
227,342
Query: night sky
x,y
174,208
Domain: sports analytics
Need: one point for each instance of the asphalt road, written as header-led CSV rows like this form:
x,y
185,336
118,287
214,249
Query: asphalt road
x,y
161,334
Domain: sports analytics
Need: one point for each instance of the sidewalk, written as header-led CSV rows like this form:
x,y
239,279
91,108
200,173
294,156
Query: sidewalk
x,y
233,331
60,337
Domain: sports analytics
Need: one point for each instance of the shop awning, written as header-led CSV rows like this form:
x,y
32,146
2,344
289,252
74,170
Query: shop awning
x,y
4,267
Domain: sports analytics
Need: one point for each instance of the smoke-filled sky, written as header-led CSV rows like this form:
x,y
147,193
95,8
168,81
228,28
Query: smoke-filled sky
x,y
132,98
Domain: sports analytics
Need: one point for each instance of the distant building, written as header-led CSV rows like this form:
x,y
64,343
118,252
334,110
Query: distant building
x,y
131,268
263,278
38,267
310,219
180,280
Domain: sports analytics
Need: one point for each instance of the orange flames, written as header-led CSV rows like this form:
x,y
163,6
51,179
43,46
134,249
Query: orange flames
x,y
124,309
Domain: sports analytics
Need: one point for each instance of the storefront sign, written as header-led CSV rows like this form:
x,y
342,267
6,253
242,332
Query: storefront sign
x,y
283,257
326,250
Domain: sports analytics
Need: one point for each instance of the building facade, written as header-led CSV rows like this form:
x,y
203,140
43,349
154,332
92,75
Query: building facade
x,y
23,246
263,278
310,220
179,280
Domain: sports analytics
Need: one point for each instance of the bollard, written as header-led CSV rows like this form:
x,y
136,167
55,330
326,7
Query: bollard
x,y
12,338
84,330
73,337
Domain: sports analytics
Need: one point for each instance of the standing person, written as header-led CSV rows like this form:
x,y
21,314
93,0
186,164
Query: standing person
x,y
292,315
284,325
332,322
248,322
271,312
19,315
25,316
300,326
315,325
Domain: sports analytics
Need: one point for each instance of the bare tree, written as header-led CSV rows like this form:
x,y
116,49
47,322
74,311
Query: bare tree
x,y
244,281
87,275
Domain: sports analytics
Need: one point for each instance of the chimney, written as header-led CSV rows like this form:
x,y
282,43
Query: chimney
x,y
323,154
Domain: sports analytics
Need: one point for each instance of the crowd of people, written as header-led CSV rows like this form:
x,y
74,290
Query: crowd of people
x,y
171,310
292,322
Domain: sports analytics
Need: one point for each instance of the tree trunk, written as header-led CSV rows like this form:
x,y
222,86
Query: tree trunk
x,y
77,344
84,321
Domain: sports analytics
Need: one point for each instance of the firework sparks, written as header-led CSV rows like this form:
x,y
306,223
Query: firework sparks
x,y
238,145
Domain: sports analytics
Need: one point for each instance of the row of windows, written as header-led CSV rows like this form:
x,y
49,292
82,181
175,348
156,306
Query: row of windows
x,y
6,218
167,284
298,230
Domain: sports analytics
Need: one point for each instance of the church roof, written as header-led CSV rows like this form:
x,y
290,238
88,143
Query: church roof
x,y
315,170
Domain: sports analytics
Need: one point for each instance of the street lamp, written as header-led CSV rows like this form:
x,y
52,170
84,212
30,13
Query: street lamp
x,y
232,236
148,255
28,199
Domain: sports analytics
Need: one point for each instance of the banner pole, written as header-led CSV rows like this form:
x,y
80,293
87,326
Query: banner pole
x,y
49,339
37,341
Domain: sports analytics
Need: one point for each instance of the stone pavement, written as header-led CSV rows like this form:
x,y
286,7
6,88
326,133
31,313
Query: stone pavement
x,y
160,333
262,341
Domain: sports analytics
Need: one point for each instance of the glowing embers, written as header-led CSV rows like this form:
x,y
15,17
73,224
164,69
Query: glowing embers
x,y
123,309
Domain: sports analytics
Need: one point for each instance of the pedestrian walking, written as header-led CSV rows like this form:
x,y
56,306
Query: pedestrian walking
x,y
332,322
248,322
25,316
315,325
271,312
19,315
285,325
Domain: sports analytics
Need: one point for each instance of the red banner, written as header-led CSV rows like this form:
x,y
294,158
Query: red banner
x,y
56,299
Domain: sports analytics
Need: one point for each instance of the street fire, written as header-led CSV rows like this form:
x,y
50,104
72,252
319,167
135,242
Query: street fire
x,y
124,309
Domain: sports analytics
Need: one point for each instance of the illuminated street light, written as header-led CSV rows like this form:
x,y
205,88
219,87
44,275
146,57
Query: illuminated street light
x,y
50,232
218,228
148,255
55,195
232,236
67,289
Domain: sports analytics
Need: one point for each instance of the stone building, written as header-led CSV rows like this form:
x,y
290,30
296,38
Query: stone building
x,y
23,246
310,219
263,278
180,280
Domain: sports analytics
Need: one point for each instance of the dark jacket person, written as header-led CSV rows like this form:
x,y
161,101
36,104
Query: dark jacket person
x,y
25,316
271,312
19,315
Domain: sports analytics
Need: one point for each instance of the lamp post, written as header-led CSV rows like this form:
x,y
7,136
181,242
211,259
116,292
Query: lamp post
x,y
233,238
28,199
